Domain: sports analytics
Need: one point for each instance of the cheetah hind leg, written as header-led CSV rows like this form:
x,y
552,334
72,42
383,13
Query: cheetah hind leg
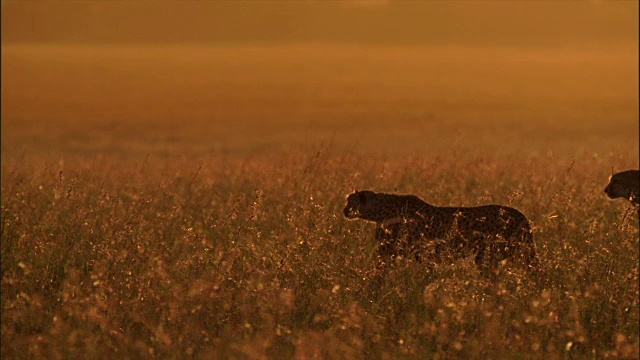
x,y
529,254
535,270
488,265
531,258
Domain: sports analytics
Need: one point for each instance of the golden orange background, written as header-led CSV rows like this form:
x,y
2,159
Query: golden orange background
x,y
389,77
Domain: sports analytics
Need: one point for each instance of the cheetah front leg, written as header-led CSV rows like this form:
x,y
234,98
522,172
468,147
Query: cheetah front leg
x,y
386,242
486,262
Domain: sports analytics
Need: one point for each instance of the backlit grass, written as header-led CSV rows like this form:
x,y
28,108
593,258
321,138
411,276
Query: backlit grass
x,y
231,257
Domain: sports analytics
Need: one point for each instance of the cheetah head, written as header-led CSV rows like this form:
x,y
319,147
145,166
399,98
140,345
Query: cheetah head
x,y
356,202
624,185
368,205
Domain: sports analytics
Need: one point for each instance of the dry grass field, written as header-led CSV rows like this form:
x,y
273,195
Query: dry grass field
x,y
176,202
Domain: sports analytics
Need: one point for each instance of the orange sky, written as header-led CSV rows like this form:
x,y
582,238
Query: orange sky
x,y
486,23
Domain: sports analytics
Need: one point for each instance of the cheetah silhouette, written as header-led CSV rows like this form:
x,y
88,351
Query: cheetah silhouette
x,y
408,226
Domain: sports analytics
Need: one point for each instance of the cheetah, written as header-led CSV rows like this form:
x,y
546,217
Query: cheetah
x,y
626,185
407,225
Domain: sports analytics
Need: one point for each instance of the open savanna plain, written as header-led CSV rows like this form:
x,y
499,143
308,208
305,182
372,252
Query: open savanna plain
x,y
183,202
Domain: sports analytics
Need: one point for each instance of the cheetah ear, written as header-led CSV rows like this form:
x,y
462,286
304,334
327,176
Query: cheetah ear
x,y
362,197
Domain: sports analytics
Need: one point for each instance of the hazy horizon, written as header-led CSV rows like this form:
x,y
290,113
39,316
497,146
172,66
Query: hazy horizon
x,y
304,72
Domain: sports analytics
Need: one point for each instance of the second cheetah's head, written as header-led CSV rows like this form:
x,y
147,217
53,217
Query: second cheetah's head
x,y
624,185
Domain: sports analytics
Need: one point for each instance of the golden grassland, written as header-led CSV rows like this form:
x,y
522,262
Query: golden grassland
x,y
202,218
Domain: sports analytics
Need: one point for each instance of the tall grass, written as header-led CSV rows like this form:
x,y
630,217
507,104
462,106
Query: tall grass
x,y
228,258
